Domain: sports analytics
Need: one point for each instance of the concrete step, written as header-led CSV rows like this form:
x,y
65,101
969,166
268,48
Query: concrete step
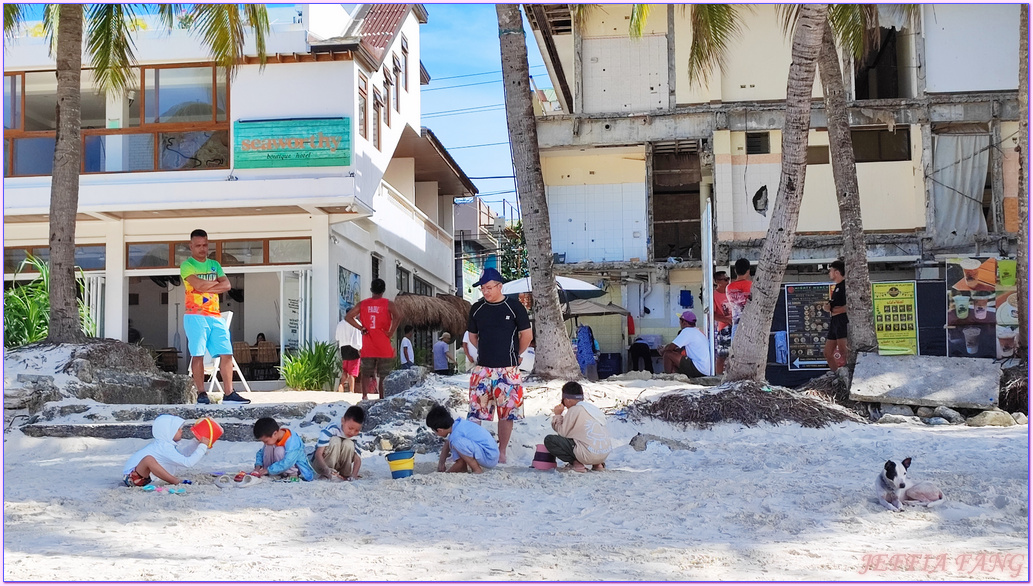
x,y
232,431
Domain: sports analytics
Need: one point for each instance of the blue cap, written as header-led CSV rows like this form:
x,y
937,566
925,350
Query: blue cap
x,y
488,275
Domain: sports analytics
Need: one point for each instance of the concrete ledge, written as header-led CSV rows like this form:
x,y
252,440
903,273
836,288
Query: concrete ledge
x,y
232,432
927,381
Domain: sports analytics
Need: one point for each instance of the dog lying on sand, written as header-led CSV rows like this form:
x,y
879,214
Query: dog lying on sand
x,y
894,490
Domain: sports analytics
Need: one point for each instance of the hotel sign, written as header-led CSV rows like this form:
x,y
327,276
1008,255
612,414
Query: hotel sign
x,y
324,142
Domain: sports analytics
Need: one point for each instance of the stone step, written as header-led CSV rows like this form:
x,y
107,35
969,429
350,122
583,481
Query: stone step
x,y
232,431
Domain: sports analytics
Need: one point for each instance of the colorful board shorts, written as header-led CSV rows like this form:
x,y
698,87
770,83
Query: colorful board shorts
x,y
496,388
206,333
350,367
723,341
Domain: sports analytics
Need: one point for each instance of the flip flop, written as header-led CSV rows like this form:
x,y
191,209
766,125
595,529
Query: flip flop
x,y
248,480
224,481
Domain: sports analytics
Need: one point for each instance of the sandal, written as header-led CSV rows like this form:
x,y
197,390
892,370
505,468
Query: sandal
x,y
249,480
224,481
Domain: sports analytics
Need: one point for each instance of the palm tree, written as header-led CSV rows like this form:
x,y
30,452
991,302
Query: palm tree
x,y
1022,272
747,358
554,357
109,46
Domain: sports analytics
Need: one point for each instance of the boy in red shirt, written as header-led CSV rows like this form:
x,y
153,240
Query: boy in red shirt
x,y
377,319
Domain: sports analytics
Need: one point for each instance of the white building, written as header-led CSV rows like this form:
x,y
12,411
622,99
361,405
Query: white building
x,y
311,176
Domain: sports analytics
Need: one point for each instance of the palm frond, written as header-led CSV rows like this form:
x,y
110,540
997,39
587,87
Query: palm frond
x,y
167,14
856,27
639,14
12,19
713,28
579,13
787,16
50,17
109,44
221,26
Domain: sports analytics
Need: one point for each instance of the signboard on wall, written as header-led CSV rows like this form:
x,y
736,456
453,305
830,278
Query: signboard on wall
x,y
896,318
348,291
982,308
322,142
807,323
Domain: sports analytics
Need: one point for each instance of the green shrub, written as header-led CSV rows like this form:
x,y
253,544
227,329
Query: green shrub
x,y
313,367
27,308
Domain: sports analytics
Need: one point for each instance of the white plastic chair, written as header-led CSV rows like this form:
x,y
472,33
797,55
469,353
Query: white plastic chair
x,y
211,365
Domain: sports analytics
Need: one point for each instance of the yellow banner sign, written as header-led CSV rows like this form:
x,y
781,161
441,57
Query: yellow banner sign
x,y
896,317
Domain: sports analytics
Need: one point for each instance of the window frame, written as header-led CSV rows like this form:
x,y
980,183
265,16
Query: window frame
x,y
376,130
155,129
405,63
216,251
387,98
363,106
397,86
400,274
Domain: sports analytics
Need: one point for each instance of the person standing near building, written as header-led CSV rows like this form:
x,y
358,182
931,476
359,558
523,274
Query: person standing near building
x,y
443,359
836,305
204,280
501,331
408,359
722,322
377,319
349,340
738,291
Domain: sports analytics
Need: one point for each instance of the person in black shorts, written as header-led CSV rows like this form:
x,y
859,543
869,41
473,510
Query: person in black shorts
x,y
837,336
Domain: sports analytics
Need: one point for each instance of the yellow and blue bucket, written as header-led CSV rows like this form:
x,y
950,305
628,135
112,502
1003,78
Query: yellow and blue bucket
x,y
401,463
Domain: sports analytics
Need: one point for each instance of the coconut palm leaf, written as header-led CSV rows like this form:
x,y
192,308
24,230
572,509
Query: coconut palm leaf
x,y
167,14
109,44
222,27
713,28
856,26
639,14
12,19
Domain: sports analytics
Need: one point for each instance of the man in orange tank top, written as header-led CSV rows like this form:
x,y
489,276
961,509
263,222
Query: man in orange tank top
x,y
377,319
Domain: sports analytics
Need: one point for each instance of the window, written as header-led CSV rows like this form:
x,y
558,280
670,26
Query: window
x,y
405,63
378,105
178,121
421,287
818,155
375,266
387,97
245,252
758,143
87,257
290,251
871,146
397,83
270,251
363,87
402,280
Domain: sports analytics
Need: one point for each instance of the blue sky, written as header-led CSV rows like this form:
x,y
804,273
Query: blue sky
x,y
460,40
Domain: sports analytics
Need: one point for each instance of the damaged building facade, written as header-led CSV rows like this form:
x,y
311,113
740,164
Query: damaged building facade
x,y
652,180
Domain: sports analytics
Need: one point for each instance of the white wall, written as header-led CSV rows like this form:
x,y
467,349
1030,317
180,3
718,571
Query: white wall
x,y
971,47
598,222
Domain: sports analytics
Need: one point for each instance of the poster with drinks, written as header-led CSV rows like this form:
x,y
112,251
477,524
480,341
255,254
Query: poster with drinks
x,y
982,313
807,323
896,318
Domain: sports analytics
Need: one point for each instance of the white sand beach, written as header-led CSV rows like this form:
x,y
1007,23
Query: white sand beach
x,y
763,503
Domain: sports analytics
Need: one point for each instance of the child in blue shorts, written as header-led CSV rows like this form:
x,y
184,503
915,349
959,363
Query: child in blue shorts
x,y
470,445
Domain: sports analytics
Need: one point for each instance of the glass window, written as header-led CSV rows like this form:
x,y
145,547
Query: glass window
x,y
247,252
13,258
220,94
178,95
405,63
34,156
93,105
144,255
114,153
13,101
7,156
881,145
41,100
182,252
402,280
194,150
375,266
397,71
387,98
91,257
421,287
298,250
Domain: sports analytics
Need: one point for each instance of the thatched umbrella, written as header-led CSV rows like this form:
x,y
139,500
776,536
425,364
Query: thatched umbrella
x,y
446,312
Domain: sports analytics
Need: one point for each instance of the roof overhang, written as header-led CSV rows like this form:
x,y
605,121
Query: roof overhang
x,y
433,163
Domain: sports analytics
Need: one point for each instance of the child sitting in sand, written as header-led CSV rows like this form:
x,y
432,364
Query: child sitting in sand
x,y
165,456
336,457
582,435
470,445
283,453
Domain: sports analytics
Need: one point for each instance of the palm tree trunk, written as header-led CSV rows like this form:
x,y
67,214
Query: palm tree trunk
x,y
1022,270
554,357
859,306
65,324
749,353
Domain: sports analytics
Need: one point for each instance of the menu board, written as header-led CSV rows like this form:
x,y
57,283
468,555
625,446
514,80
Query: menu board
x,y
982,307
807,324
896,318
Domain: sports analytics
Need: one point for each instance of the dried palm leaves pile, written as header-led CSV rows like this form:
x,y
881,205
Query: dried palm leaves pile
x,y
746,402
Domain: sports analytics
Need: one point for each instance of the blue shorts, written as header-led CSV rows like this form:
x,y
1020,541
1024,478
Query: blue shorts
x,y
207,334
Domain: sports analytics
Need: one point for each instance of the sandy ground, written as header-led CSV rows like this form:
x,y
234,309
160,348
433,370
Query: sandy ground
x,y
764,503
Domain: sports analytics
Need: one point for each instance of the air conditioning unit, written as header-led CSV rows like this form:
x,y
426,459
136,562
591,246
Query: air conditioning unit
x,y
500,223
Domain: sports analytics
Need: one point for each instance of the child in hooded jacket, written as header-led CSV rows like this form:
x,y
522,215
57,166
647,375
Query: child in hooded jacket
x,y
165,456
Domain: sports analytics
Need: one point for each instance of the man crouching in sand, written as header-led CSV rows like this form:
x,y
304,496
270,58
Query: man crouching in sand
x,y
583,438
